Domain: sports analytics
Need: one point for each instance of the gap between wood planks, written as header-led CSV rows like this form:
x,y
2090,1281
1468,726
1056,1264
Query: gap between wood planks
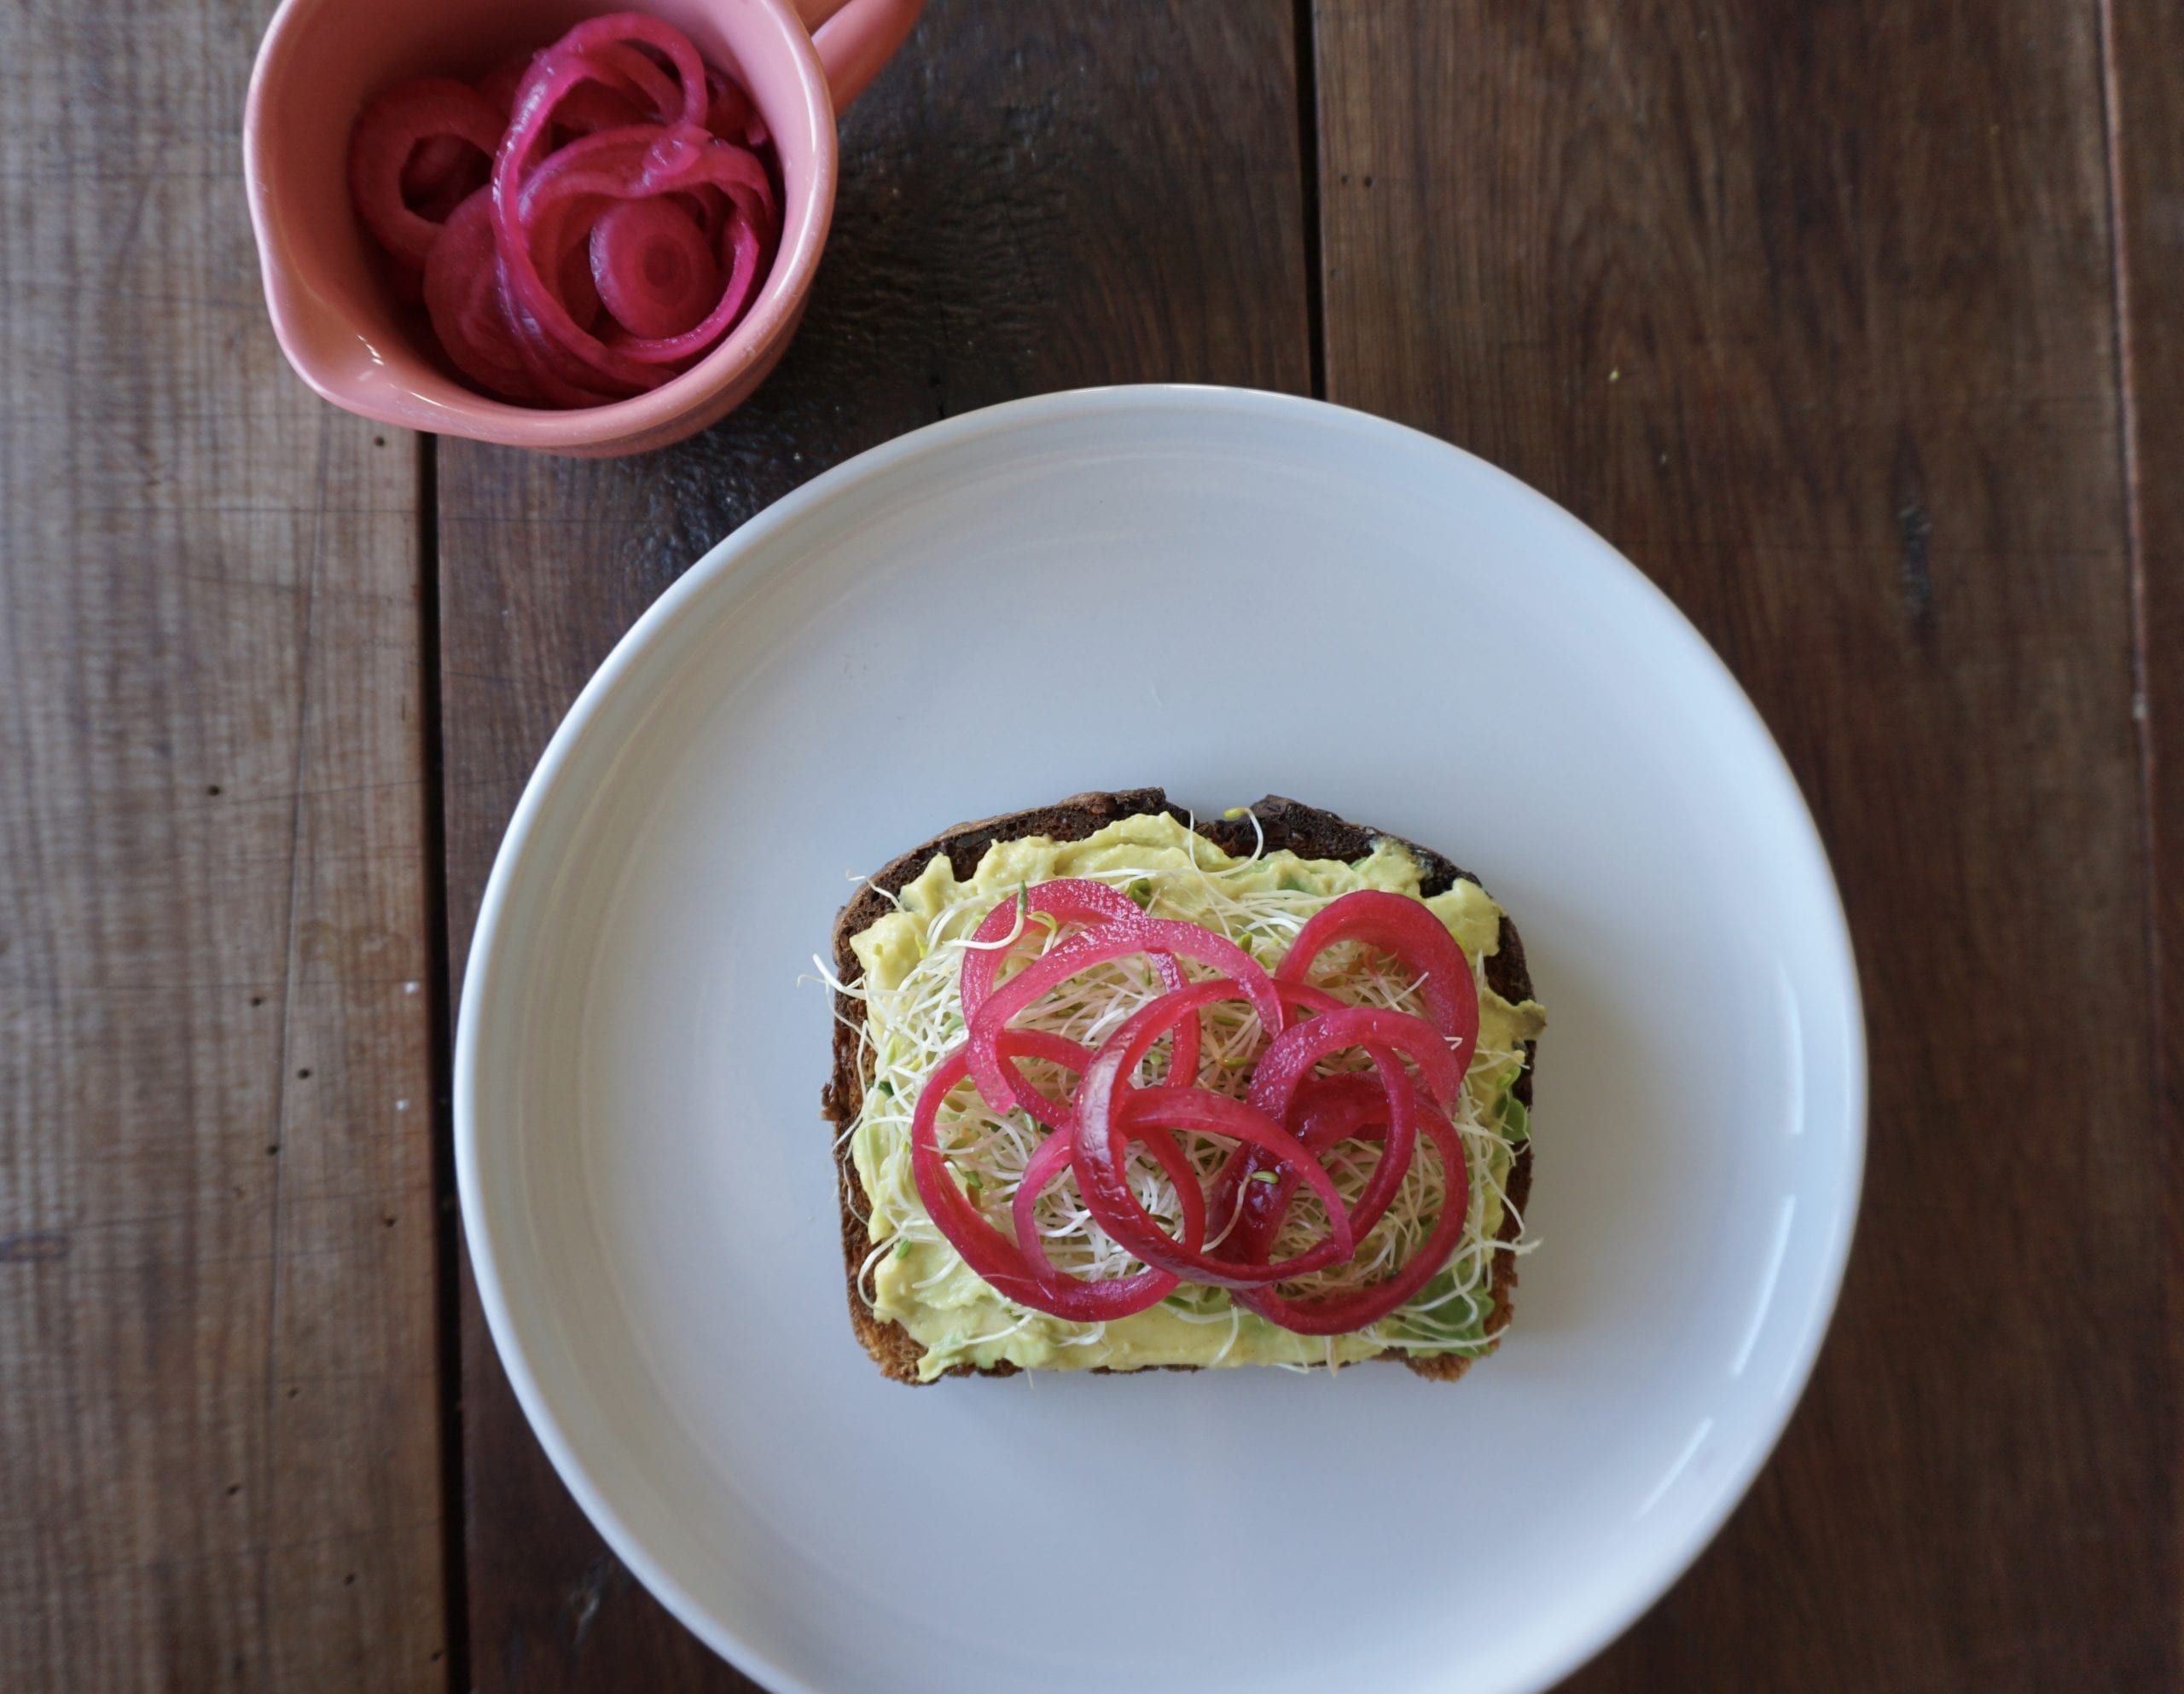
x,y
447,1222
1308,171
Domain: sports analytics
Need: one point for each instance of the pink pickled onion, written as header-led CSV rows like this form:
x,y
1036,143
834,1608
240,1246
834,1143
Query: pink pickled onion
x,y
618,164
1293,1053
1397,1108
1108,1108
380,149
441,174
730,114
629,224
1338,1313
1409,930
1394,1088
1072,900
589,53
1069,1295
1117,939
1284,1128
654,272
466,306
992,1255
1207,1113
589,108
999,1260
1333,1109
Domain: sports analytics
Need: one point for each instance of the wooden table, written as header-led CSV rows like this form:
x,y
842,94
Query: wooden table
x,y
1859,326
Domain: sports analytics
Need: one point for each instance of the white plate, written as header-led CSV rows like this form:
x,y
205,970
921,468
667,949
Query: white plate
x,y
1226,593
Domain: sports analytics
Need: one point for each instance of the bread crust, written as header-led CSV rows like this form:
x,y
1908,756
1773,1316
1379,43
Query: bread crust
x,y
1306,831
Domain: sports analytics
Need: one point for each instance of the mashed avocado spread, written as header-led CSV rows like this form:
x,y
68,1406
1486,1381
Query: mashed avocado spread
x,y
911,958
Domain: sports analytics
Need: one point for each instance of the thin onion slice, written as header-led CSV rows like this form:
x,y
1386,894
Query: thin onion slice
x,y
1207,1113
1069,900
984,1249
602,168
1327,1111
654,269
630,163
1108,1109
589,53
746,258
994,1256
443,172
464,303
1394,1089
1069,1295
730,114
1291,1054
1407,929
1338,1313
1117,939
388,133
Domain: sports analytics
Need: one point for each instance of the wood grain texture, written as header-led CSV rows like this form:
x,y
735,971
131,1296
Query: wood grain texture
x,y
218,1419
1809,310
1035,196
2146,104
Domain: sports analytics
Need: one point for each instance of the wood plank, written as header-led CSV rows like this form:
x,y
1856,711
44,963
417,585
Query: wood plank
x,y
1809,310
2146,119
1037,196
218,1407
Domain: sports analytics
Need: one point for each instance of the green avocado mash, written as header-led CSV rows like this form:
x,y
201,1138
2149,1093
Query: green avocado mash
x,y
911,958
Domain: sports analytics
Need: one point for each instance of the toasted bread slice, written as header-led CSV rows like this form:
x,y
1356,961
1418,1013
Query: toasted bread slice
x,y
1306,831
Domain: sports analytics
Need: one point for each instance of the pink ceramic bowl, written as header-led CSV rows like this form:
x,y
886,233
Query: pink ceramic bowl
x,y
322,59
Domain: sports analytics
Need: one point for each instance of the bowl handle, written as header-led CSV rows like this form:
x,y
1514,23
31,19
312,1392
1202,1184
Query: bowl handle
x,y
856,37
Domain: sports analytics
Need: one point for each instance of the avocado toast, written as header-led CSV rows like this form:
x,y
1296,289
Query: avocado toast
x,y
917,1307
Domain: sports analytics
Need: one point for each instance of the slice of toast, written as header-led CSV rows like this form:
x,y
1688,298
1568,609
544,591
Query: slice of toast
x,y
1305,830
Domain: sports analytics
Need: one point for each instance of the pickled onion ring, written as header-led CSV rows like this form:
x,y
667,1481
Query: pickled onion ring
x,y
1029,1281
1291,1054
380,148
1108,1108
654,271
1394,1107
1069,1295
1338,1313
1117,939
1409,930
443,172
1394,1089
984,1249
1329,1110
1284,1128
1072,900
615,164
465,305
1207,1113
602,167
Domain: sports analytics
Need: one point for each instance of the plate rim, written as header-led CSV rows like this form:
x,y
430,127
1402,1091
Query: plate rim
x,y
1654,1578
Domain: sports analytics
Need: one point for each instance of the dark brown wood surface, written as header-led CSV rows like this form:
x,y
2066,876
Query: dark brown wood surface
x,y
2145,101
1860,326
219,1404
1033,197
1812,311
